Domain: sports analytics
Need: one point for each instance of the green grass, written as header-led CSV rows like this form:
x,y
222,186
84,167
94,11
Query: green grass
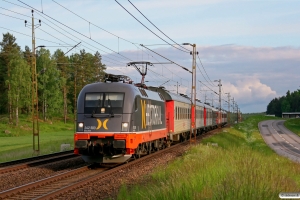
x,y
293,125
241,167
17,144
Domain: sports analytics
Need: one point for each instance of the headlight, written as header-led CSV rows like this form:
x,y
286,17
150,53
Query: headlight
x,y
102,110
125,126
80,126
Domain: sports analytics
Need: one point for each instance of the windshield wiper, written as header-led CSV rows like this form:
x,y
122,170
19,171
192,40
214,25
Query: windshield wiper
x,y
97,108
111,111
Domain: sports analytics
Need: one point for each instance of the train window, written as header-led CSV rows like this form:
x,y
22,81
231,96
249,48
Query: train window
x,y
112,101
179,113
93,99
135,104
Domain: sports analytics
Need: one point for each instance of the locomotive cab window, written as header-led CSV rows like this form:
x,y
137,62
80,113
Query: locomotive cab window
x,y
103,103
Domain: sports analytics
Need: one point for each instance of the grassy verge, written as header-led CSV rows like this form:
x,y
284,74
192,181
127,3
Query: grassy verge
x,y
241,167
293,125
16,142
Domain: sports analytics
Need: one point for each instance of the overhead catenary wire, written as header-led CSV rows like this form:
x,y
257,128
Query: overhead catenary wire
x,y
12,16
15,12
157,27
90,23
40,29
30,36
77,40
164,66
93,23
209,88
74,30
77,37
205,71
149,29
167,59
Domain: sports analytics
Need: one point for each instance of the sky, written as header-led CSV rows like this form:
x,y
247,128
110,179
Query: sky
x,y
252,46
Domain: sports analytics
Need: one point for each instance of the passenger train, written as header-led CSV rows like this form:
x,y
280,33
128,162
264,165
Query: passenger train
x,y
117,120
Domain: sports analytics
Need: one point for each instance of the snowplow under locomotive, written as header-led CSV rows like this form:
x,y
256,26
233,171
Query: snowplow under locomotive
x,y
116,121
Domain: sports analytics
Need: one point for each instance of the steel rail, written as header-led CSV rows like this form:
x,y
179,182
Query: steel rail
x,y
21,189
39,161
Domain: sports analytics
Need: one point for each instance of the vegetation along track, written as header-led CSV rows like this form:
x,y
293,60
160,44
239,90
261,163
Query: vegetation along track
x,y
34,161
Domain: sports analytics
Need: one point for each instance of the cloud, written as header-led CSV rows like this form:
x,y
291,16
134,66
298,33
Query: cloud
x,y
249,90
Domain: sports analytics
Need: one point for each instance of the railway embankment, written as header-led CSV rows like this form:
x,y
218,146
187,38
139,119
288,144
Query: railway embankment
x,y
240,166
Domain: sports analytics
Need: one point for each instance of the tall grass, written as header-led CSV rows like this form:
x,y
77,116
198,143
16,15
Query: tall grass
x,y
241,167
293,125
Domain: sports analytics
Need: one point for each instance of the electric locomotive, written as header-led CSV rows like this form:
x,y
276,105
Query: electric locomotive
x,y
116,119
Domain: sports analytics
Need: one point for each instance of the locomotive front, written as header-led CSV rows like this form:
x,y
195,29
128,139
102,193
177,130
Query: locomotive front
x,y
103,119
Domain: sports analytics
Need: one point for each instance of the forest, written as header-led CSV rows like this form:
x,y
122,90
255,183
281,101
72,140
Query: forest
x,y
288,103
60,78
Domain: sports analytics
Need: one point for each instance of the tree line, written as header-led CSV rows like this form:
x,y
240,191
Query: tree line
x,y
288,103
60,79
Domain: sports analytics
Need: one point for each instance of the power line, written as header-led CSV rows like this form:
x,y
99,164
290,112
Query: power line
x,y
99,27
204,70
11,16
165,66
75,40
16,4
149,29
30,35
93,23
167,59
158,28
209,88
16,12
81,34
75,30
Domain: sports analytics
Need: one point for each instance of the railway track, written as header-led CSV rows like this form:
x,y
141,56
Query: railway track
x,y
35,161
68,184
39,188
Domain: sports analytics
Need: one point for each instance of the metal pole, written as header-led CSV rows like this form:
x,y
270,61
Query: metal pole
x,y
35,113
220,102
194,84
237,113
228,114
233,109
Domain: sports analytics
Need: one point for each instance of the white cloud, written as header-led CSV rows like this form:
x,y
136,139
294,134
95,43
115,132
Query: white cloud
x,y
249,89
